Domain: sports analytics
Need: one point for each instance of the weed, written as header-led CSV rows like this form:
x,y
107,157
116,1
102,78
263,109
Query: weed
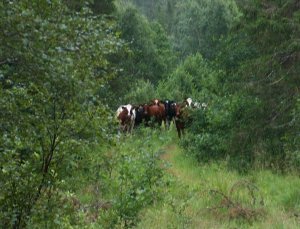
x,y
244,201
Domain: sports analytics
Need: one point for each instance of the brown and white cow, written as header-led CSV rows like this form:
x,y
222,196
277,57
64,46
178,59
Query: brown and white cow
x,y
126,117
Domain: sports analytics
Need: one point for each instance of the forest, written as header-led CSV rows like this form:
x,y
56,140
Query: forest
x,y
67,65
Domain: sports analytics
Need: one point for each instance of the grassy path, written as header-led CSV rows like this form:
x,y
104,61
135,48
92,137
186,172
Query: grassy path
x,y
184,169
188,202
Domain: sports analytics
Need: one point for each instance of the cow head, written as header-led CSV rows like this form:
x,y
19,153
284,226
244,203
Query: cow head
x,y
146,109
139,110
125,111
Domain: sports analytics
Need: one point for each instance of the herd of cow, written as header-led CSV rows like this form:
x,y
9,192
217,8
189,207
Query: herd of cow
x,y
155,113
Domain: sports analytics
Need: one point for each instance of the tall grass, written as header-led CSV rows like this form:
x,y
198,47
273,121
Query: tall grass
x,y
187,194
211,196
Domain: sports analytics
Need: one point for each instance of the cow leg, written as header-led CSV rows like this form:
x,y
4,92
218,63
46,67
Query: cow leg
x,y
159,123
127,128
131,126
178,128
167,122
179,133
183,129
123,129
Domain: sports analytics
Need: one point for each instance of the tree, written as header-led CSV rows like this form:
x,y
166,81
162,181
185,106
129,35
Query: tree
x,y
269,75
252,118
148,57
200,25
51,66
97,6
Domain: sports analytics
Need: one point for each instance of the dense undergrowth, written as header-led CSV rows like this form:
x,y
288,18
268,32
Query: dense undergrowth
x,y
129,177
152,183
136,180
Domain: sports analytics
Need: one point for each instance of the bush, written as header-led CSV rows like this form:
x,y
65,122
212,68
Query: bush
x,y
136,179
143,91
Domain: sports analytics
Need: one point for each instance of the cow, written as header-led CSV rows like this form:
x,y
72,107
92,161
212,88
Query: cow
x,y
182,116
124,119
126,116
139,114
155,110
199,105
188,102
170,112
120,108
155,102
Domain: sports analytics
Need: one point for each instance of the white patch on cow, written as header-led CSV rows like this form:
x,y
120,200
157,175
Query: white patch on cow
x,y
197,105
200,105
119,110
189,101
132,119
128,107
133,114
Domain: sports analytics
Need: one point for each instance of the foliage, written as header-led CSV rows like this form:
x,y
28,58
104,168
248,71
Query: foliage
x,y
163,11
193,25
149,56
135,180
64,64
200,24
97,6
251,119
143,92
51,61
213,196
193,78
268,77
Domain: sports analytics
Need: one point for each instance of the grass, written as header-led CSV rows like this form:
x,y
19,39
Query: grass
x,y
196,197
208,195
122,173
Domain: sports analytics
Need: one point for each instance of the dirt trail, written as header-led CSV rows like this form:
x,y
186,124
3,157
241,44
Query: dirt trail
x,y
168,156
178,168
168,152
